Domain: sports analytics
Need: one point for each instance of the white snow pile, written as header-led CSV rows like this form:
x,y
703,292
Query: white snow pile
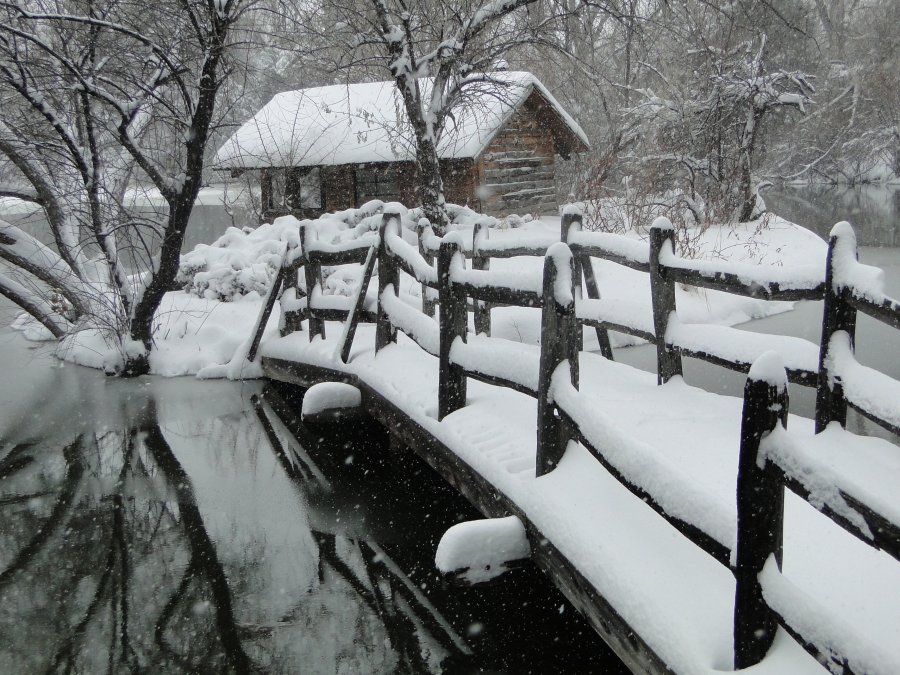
x,y
481,550
246,260
237,263
327,396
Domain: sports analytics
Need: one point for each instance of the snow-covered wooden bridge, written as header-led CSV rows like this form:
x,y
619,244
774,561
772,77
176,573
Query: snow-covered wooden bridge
x,y
659,509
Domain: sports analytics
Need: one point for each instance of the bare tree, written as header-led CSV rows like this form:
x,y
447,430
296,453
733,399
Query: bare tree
x,y
97,97
441,56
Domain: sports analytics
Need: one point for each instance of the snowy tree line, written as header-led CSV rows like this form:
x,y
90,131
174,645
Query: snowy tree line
x,y
689,104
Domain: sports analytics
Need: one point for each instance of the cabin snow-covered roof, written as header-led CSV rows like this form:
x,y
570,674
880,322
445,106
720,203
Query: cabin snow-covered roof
x,y
366,122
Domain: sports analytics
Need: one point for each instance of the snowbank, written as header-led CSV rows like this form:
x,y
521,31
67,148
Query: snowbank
x,y
205,328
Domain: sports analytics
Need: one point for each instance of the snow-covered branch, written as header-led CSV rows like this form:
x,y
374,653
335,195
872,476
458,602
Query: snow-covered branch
x,y
35,305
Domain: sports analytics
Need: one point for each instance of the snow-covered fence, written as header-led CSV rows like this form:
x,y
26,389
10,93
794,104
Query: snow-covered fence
x,y
770,459
829,366
852,287
823,471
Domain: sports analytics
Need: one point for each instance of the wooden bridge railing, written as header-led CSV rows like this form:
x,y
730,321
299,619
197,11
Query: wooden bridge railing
x,y
550,373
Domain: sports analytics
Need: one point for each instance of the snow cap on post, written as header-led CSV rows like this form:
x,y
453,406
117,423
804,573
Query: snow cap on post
x,y
573,209
662,223
561,256
454,238
769,368
480,550
394,209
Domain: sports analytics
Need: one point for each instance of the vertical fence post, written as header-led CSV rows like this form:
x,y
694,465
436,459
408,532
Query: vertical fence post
x,y
312,273
760,510
571,220
837,315
291,313
558,344
423,229
482,310
585,270
452,324
388,275
662,295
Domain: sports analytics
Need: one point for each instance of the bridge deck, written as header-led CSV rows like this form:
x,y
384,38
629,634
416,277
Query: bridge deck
x,y
660,601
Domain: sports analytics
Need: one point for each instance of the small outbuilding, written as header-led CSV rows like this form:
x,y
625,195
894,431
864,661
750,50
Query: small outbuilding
x,y
329,148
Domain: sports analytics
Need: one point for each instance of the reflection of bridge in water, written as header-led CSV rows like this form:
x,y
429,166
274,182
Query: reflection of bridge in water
x,y
157,532
566,440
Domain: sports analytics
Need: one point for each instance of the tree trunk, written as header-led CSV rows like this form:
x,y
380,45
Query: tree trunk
x,y
431,185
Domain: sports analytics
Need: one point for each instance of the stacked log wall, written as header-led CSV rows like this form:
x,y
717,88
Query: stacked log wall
x,y
516,172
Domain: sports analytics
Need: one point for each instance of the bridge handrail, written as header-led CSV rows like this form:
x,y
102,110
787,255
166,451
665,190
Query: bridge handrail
x,y
411,260
799,468
765,282
771,460
851,287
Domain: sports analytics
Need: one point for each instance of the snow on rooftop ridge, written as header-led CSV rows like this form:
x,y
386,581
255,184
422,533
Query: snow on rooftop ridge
x,y
365,122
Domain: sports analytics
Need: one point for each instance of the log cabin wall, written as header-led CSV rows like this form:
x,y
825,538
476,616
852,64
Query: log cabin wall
x,y
458,176
516,172
339,187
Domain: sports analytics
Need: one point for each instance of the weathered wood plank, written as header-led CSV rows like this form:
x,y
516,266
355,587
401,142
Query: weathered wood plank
x,y
356,311
622,638
760,518
662,292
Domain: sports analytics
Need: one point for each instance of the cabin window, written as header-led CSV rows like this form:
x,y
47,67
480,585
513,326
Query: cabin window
x,y
295,189
377,182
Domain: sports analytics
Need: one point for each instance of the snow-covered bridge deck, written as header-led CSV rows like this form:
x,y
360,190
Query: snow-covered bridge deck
x,y
646,541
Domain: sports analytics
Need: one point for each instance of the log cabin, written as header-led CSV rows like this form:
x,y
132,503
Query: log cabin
x,y
325,149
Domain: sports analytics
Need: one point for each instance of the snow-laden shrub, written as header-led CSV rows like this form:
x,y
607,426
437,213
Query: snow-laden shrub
x,y
246,260
237,263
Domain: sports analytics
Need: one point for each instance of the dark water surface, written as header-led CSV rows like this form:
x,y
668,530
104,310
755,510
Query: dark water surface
x,y
173,525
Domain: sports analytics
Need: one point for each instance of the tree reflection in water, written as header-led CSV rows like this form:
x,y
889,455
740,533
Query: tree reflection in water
x,y
180,547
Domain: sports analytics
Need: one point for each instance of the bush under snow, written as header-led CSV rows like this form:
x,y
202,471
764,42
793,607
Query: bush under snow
x,y
244,261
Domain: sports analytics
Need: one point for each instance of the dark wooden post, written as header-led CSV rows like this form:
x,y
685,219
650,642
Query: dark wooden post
x,y
558,344
452,323
388,275
584,269
760,510
291,319
837,315
264,313
423,229
312,273
662,294
482,310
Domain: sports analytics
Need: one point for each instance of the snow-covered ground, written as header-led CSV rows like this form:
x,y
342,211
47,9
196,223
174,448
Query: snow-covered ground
x,y
201,335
